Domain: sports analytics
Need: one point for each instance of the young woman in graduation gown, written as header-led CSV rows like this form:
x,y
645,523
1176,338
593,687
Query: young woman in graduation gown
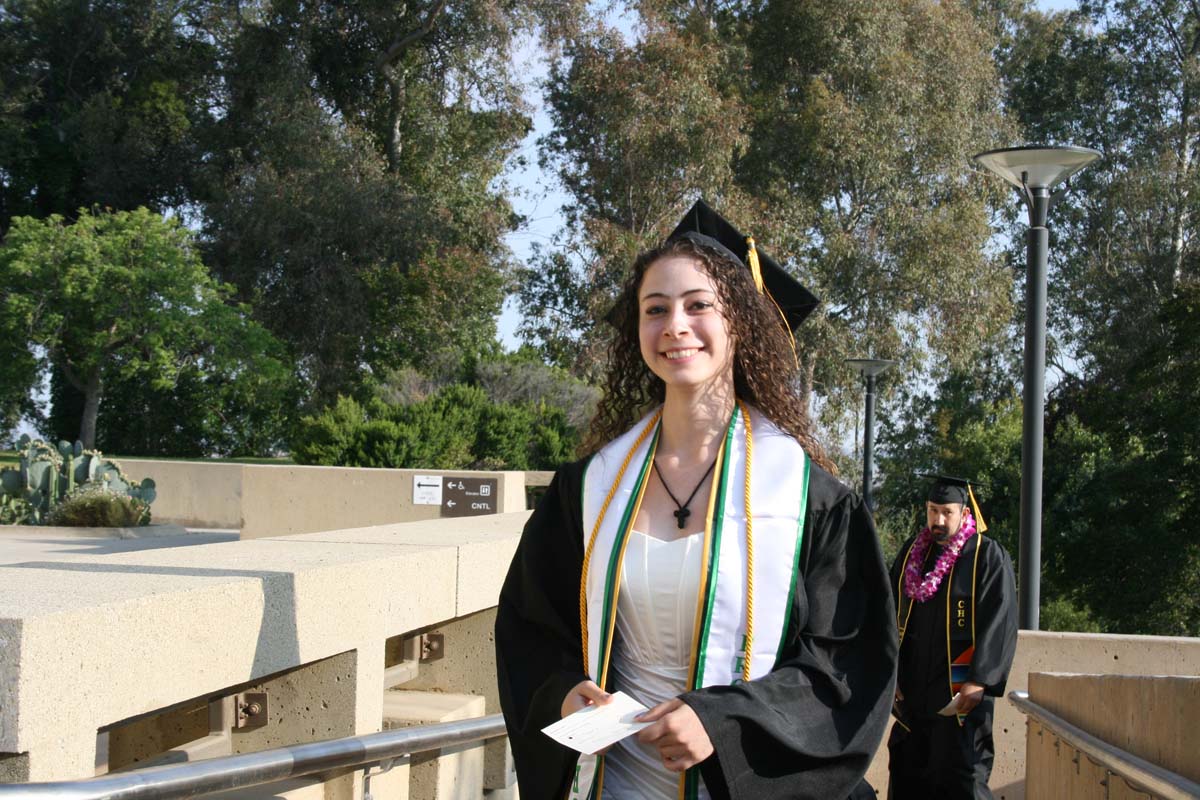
x,y
702,560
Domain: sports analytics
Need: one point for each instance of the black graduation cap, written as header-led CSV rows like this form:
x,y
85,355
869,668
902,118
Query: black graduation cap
x,y
703,225
948,489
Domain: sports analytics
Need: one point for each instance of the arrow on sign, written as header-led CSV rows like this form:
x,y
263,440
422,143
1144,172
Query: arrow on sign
x,y
450,503
427,485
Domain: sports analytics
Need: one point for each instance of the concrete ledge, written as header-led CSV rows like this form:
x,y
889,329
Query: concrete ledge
x,y
284,499
90,640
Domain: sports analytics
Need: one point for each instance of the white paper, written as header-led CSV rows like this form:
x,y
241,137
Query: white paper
x,y
951,708
595,727
427,490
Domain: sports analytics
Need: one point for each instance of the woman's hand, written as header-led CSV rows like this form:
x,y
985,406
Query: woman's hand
x,y
582,695
678,734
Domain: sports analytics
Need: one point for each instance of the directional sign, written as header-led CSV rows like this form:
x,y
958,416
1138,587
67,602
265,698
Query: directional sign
x,y
427,490
469,497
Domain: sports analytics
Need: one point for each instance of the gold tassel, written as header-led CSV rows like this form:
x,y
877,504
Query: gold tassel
x,y
752,262
980,525
756,272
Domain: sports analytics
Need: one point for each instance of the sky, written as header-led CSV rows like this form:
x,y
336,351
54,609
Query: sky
x,y
537,196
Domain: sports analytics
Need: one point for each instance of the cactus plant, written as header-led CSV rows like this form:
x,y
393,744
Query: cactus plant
x,y
46,475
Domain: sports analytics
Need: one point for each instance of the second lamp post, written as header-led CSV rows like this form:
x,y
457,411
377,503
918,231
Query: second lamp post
x,y
869,368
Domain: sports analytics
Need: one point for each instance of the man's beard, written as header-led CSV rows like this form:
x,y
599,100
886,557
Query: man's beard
x,y
941,534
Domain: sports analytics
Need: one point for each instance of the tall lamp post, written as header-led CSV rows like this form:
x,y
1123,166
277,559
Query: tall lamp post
x,y
869,368
1034,172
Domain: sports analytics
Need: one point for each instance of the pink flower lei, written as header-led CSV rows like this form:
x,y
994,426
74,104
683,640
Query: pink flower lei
x,y
922,587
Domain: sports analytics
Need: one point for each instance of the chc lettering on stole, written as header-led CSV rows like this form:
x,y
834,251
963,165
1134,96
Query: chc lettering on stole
x,y
961,618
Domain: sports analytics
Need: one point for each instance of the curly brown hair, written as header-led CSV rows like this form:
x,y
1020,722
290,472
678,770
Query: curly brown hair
x,y
764,369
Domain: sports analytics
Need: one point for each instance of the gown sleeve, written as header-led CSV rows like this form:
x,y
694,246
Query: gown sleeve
x,y
995,620
538,642
811,726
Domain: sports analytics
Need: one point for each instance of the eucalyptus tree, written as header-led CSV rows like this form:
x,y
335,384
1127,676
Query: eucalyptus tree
x,y
839,133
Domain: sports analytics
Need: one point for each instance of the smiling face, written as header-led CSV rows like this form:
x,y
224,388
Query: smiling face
x,y
684,336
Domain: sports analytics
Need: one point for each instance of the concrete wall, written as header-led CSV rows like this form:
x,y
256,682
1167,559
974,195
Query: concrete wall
x,y
1151,716
192,493
279,500
282,500
1064,652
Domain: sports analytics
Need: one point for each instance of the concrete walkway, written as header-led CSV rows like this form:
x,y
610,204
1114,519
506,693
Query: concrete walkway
x,y
52,545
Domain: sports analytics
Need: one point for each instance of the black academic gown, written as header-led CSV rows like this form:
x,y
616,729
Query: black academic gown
x,y
808,729
931,755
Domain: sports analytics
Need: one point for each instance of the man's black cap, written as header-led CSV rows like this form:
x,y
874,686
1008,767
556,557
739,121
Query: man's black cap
x,y
949,489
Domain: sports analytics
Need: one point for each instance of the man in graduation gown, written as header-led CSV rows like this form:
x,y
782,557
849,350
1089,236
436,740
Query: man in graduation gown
x,y
957,617
808,729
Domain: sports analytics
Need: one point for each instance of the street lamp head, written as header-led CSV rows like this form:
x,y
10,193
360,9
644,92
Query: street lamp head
x,y
868,367
1034,167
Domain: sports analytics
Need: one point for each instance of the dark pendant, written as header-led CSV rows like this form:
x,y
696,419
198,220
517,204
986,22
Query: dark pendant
x,y
682,514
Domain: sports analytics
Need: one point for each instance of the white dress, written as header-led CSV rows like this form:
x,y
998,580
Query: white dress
x,y
656,614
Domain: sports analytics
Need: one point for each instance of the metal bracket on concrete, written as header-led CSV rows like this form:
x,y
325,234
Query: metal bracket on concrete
x,y
378,769
250,710
433,647
414,651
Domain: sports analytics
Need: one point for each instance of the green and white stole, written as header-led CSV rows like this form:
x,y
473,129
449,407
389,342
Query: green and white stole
x,y
613,487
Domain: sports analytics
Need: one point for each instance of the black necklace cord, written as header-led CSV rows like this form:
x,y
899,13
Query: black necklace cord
x,y
682,512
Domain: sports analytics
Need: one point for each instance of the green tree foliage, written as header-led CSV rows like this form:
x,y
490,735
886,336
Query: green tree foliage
x,y
342,161
1119,481
457,427
101,104
1128,489
118,298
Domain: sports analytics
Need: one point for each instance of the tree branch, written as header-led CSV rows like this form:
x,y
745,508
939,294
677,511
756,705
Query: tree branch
x,y
402,44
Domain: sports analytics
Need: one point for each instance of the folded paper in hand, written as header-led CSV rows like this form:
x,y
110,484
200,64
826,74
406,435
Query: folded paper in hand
x,y
952,708
595,727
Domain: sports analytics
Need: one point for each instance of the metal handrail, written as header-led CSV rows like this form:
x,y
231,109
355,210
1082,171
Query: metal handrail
x,y
265,766
1134,770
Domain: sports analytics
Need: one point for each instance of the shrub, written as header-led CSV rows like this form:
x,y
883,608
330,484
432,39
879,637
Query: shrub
x,y
47,475
96,506
458,427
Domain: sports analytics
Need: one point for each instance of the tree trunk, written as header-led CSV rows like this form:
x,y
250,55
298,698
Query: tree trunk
x,y
1182,186
395,144
805,380
389,64
93,393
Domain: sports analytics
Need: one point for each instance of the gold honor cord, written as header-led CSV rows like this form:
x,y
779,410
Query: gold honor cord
x,y
587,555
949,661
748,644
